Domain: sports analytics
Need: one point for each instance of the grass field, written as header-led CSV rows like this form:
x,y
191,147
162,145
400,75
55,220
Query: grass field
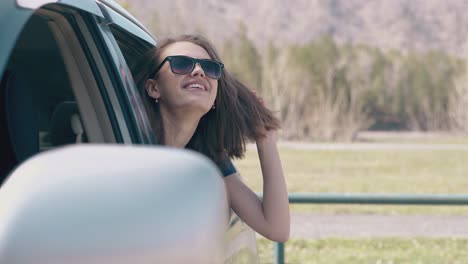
x,y
369,251
369,171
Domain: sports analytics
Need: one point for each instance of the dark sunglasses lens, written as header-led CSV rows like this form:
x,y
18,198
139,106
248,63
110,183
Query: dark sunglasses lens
x,y
182,65
211,69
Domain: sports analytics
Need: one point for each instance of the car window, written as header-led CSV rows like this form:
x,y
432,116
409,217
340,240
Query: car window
x,y
51,92
129,45
132,50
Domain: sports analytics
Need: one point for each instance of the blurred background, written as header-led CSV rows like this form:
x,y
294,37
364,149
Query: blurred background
x,y
373,98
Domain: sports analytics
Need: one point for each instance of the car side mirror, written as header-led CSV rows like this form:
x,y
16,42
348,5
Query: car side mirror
x,y
113,204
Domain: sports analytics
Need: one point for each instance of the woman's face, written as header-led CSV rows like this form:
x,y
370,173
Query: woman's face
x,y
194,92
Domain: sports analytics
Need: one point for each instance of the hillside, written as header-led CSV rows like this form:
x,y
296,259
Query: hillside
x,y
399,24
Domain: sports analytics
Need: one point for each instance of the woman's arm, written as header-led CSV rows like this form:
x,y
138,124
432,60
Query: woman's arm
x,y
269,217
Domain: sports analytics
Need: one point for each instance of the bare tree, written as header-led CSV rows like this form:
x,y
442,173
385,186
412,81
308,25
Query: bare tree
x,y
459,103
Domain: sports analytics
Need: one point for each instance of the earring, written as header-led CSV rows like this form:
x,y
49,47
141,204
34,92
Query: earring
x,y
213,107
156,100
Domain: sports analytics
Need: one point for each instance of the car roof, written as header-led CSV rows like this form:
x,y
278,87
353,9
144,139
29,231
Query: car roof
x,y
15,13
88,5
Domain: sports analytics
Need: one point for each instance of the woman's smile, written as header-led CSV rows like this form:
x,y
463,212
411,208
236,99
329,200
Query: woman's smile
x,y
195,85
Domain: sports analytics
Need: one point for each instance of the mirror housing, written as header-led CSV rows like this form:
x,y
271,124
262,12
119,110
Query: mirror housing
x,y
113,204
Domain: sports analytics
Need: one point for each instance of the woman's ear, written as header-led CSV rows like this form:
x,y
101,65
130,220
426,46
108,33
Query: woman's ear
x,y
152,89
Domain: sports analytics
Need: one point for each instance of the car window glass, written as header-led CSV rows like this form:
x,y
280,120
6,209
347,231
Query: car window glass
x,y
132,48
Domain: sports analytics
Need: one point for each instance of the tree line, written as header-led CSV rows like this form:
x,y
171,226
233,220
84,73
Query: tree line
x,y
324,90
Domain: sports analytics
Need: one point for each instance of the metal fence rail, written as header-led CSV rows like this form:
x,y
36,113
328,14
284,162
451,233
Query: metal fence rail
x,y
360,198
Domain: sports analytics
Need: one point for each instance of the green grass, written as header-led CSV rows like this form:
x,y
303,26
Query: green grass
x,y
371,251
369,171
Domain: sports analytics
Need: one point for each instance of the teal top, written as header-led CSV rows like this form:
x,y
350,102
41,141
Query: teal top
x,y
226,167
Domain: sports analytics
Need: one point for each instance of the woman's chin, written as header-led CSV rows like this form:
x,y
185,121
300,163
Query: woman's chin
x,y
196,107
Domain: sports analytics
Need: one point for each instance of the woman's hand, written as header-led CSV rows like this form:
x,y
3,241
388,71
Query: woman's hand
x,y
259,98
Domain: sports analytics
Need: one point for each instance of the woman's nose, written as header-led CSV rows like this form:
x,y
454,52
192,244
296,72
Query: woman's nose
x,y
198,71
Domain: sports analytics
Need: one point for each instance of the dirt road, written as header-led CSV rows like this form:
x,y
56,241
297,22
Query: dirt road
x,y
310,225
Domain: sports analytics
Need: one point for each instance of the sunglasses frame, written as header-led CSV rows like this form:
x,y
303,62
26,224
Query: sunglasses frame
x,y
194,64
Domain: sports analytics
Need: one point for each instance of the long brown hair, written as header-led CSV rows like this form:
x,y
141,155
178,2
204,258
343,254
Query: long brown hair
x,y
238,116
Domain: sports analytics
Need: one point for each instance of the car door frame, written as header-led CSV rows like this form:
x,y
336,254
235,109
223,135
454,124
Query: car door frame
x,y
124,93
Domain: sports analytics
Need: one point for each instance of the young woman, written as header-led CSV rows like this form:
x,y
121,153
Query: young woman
x,y
194,102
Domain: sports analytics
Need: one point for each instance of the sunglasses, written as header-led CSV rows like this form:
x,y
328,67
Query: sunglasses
x,y
185,65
